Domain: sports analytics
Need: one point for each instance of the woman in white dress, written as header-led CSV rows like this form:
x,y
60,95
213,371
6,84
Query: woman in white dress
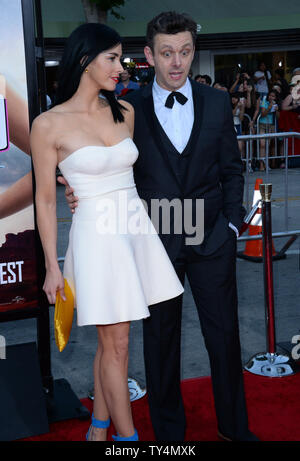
x,y
115,264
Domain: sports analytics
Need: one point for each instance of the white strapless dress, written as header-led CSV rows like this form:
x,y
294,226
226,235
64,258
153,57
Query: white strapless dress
x,y
116,264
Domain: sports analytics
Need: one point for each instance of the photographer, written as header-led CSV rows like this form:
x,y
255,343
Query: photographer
x,y
262,78
237,85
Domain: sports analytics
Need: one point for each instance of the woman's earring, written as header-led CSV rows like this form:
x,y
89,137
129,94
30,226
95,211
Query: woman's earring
x,y
86,70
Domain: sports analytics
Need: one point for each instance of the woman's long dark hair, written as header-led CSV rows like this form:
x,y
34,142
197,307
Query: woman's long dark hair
x,y
83,45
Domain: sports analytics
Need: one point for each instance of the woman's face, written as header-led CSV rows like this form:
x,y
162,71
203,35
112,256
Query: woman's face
x,y
234,101
105,69
272,96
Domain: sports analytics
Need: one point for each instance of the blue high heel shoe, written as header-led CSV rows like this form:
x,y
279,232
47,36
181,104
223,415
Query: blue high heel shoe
x,y
134,437
98,424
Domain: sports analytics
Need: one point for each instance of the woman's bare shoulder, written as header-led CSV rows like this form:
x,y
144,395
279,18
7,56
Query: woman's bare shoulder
x,y
127,105
42,123
49,120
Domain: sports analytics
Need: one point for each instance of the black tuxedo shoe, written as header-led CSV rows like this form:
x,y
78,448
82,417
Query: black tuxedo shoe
x,y
248,437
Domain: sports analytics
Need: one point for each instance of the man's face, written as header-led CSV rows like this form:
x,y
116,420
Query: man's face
x,y
262,67
124,75
172,58
202,80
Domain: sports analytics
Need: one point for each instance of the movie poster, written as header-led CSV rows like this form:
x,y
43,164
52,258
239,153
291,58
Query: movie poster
x,y
18,287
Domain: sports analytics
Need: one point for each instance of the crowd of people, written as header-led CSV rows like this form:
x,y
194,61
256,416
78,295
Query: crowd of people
x,y
257,101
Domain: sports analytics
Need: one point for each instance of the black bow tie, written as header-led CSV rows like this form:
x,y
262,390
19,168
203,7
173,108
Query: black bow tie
x,y
170,99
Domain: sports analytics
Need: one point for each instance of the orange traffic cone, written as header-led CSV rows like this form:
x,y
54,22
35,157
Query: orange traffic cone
x,y
254,248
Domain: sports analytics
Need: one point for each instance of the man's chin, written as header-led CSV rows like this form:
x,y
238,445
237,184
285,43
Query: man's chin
x,y
176,84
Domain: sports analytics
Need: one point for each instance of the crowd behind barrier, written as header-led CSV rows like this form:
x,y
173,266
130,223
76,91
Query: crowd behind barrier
x,y
264,104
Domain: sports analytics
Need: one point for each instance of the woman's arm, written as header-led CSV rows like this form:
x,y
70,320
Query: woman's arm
x,y
44,156
266,110
286,103
242,110
248,100
255,115
235,83
16,197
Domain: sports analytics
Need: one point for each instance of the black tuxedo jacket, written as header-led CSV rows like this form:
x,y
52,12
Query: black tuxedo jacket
x,y
209,168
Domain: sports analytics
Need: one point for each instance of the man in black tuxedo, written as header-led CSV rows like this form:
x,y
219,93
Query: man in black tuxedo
x,y
188,150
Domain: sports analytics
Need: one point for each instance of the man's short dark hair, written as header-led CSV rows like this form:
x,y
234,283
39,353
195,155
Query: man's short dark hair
x,y
170,22
207,79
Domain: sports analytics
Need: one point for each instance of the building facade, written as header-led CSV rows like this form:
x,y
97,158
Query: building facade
x,y
232,35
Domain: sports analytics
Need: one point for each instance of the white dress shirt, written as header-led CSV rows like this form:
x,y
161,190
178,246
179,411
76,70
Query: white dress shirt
x,y
177,122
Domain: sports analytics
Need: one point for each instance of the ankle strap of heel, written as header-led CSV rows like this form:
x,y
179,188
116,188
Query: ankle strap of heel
x,y
134,437
98,423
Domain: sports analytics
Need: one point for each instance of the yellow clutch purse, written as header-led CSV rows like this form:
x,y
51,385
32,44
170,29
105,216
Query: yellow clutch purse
x,y
63,317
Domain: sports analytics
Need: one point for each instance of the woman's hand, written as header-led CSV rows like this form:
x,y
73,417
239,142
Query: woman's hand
x,y
252,126
54,282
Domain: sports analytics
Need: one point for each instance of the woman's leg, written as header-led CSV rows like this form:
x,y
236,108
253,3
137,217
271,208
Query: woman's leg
x,y
114,375
100,408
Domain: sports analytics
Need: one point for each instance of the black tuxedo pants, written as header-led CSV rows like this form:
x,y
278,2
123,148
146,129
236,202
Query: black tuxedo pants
x,y
213,283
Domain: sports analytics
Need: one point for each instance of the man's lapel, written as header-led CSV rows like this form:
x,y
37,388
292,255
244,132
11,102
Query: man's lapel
x,y
198,100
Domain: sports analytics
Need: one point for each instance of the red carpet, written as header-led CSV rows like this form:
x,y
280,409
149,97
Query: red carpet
x,y
273,408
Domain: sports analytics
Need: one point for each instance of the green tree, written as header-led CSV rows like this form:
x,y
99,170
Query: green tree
x,y
96,10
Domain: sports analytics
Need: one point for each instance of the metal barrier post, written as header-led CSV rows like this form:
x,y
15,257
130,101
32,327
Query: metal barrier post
x,y
266,190
270,364
286,159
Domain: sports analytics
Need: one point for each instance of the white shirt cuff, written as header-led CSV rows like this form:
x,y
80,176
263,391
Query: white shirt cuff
x,y
234,229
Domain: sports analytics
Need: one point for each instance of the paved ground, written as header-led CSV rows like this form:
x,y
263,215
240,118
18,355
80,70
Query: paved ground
x,y
75,363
